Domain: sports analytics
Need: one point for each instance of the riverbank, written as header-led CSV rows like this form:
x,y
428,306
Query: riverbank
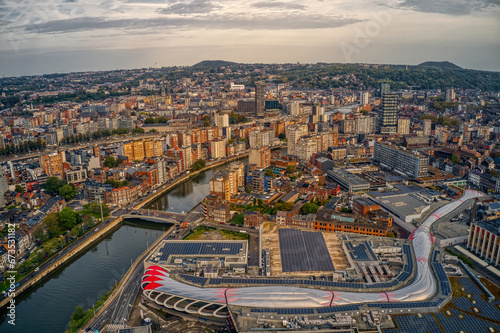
x,y
192,174
99,232
125,280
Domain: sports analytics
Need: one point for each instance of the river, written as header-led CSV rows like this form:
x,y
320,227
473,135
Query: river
x,y
49,307
188,194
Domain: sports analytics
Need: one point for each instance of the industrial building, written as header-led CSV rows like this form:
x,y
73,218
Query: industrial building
x,y
197,255
416,280
348,181
484,240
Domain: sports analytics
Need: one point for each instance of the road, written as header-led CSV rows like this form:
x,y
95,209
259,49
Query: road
x,y
119,308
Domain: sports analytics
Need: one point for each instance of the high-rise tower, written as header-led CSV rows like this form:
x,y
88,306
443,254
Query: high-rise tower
x,y
260,102
389,122
385,88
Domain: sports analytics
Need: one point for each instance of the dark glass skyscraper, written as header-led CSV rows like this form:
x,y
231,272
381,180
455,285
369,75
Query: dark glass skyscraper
x,y
260,101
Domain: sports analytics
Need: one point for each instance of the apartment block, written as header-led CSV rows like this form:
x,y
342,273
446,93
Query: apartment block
x,y
52,164
402,160
260,157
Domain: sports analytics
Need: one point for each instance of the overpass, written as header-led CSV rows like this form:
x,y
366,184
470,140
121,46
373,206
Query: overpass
x,y
152,218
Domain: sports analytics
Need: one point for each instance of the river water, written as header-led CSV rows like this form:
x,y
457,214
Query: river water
x,y
49,307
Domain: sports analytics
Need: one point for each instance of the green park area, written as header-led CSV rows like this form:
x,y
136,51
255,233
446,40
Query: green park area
x,y
56,231
208,233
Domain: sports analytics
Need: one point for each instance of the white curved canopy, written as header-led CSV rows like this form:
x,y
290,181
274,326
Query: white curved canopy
x,y
422,287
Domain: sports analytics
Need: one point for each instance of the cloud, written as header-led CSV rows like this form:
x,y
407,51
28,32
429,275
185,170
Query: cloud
x,y
279,5
219,21
448,7
192,7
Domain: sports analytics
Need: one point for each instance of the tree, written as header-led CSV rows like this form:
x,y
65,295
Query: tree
x,y
51,224
76,231
198,165
138,131
88,222
95,209
67,191
309,208
454,158
284,206
110,162
78,314
206,121
291,169
50,246
494,173
67,218
19,189
53,184
40,235
268,173
282,136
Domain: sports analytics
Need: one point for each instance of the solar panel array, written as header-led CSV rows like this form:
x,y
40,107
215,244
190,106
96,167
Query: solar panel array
x,y
304,251
339,308
406,305
194,279
208,248
361,252
468,323
285,311
403,276
412,324
443,281
408,267
487,309
441,277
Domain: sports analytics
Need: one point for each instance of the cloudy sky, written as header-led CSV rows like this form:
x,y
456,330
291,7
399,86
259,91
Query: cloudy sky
x,y
48,36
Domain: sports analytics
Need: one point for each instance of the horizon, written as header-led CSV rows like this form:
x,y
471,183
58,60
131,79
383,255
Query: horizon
x,y
243,63
58,36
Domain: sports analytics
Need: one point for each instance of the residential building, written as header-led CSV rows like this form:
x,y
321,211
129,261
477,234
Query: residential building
x,y
449,95
363,98
402,160
305,148
215,209
221,120
51,164
403,126
385,88
389,114
260,157
218,149
293,134
427,123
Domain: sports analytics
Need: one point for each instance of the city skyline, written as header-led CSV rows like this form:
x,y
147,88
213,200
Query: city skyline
x,y
66,36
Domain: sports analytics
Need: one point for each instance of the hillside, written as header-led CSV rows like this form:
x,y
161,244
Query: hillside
x,y
213,64
440,65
